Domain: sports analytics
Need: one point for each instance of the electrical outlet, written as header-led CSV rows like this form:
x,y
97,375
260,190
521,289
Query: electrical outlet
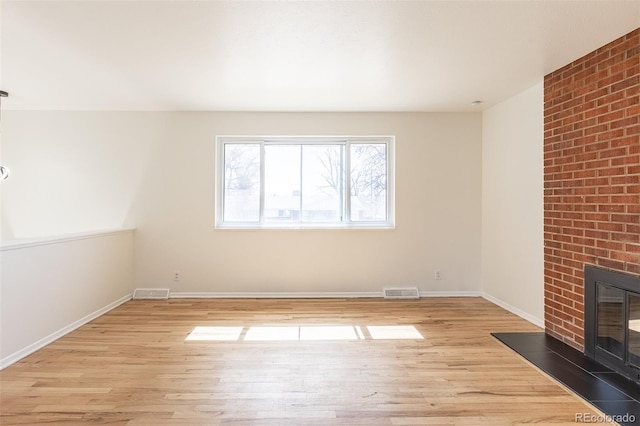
x,y
438,275
176,276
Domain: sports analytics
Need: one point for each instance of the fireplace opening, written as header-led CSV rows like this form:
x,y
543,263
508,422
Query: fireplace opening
x,y
612,320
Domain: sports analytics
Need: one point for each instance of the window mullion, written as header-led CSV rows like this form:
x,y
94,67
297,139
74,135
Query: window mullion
x,y
347,183
262,183
301,165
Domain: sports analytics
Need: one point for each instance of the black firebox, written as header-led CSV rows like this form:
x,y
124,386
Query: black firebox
x,y
612,320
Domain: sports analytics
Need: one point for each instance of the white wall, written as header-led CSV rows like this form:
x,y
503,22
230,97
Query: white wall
x,y
512,204
79,171
72,171
52,286
438,174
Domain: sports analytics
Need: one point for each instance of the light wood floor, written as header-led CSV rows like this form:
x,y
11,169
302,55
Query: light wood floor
x,y
134,366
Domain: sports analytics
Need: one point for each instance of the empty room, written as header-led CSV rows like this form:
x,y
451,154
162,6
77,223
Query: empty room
x,y
319,212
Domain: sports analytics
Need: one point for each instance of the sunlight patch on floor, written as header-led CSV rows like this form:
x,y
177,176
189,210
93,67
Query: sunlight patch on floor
x,y
272,333
304,332
215,333
345,332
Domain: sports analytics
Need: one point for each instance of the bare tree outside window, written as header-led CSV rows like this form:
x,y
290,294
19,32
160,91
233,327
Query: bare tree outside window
x,y
331,161
368,181
242,182
368,178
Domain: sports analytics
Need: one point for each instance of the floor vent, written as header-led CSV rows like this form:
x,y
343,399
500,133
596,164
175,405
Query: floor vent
x,y
151,293
401,293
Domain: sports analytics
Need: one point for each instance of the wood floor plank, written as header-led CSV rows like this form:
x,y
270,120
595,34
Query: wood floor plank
x,y
405,362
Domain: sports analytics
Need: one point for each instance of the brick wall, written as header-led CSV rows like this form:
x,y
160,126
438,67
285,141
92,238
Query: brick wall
x,y
592,177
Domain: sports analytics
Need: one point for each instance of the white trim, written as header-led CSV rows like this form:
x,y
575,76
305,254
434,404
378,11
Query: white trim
x,y
310,295
17,356
57,239
239,226
450,294
345,222
519,312
272,295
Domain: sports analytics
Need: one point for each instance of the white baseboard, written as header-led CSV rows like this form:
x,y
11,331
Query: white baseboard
x,y
519,312
17,356
310,295
272,295
450,294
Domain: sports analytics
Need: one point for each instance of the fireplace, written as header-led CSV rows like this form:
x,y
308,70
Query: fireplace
x,y
612,320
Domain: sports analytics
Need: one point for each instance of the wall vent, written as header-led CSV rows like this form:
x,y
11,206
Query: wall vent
x,y
401,293
151,293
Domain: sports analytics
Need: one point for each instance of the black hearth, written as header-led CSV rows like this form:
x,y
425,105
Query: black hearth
x,y
612,320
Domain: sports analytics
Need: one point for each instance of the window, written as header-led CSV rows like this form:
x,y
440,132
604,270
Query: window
x,y
305,182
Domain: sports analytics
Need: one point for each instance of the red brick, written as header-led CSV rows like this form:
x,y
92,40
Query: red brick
x,y
624,141
597,216
592,177
620,64
583,224
609,226
584,190
633,248
625,123
625,236
632,268
598,164
596,94
632,91
628,159
625,199
624,104
586,207
633,108
587,156
603,81
625,256
610,135
612,171
611,189
633,229
602,235
597,199
628,82
622,45
611,264
573,328
598,253
611,208
625,218
610,98
601,181
598,146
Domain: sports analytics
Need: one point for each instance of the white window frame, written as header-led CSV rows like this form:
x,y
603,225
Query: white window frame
x,y
346,222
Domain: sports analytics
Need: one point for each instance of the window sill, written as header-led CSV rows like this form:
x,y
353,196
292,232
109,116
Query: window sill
x,y
305,226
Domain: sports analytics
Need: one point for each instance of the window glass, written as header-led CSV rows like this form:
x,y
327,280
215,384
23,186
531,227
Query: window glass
x,y
322,182
282,183
368,182
304,182
241,182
